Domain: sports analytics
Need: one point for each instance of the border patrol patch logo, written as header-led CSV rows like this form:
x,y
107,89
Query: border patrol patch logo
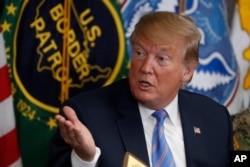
x,y
95,49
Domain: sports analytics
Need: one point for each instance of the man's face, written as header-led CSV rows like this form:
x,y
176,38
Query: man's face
x,y
157,71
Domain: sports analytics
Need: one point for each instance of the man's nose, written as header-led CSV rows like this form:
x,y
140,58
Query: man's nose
x,y
147,65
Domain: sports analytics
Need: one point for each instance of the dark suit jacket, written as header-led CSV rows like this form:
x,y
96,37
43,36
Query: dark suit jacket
x,y
112,116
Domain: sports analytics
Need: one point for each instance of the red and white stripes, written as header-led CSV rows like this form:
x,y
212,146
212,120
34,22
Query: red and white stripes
x,y
9,150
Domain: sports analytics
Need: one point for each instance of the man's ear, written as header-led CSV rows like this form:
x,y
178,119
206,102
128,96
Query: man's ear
x,y
188,72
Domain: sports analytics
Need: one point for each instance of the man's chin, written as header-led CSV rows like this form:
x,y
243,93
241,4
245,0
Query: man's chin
x,y
144,99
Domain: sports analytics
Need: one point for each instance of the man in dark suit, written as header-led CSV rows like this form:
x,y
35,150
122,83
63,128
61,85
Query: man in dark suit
x,y
97,127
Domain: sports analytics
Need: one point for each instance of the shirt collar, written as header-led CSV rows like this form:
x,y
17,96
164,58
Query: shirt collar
x,y
172,110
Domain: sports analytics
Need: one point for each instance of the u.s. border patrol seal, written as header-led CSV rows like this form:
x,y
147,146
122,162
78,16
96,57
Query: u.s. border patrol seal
x,y
95,49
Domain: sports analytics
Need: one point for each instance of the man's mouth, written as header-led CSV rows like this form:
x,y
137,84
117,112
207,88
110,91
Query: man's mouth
x,y
145,83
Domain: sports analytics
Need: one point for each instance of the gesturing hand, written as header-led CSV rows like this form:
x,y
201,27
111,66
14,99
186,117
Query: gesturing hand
x,y
76,134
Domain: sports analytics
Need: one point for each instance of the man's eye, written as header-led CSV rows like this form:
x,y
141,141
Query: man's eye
x,y
162,58
139,53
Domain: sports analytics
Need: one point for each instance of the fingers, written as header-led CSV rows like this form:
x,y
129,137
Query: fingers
x,y
65,127
71,129
70,114
68,124
76,134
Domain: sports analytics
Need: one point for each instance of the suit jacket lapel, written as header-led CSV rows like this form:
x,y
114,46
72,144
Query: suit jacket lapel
x,y
132,134
193,132
131,128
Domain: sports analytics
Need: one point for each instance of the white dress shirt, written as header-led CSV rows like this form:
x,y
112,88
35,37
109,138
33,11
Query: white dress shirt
x,y
173,133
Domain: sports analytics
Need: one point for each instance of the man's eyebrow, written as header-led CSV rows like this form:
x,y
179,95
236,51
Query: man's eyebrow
x,y
165,48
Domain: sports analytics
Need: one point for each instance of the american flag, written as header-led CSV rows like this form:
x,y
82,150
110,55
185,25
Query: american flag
x,y
9,150
197,130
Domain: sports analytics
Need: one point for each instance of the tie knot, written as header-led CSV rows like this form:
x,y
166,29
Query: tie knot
x,y
160,115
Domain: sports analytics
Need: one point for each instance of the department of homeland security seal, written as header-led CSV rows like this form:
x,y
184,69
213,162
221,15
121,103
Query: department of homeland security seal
x,y
96,49
217,75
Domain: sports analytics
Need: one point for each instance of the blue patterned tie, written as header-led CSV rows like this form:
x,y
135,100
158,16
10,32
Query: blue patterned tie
x,y
161,153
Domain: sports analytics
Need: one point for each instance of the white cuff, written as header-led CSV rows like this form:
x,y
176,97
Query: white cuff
x,y
76,161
